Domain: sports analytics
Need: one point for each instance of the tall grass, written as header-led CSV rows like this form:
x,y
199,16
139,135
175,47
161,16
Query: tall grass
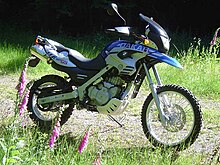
x,y
12,58
200,71
29,146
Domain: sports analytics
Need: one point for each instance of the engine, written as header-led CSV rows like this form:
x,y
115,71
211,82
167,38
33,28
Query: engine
x,y
102,92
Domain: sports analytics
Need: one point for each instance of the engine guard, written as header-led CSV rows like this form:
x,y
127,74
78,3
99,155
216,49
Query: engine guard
x,y
113,107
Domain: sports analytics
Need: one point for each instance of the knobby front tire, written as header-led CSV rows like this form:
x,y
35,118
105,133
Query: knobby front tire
x,y
181,106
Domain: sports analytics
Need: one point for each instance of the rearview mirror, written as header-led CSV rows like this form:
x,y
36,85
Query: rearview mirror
x,y
113,10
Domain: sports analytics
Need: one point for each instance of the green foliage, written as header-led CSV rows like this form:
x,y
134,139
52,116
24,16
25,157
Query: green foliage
x,y
26,145
200,70
12,58
9,153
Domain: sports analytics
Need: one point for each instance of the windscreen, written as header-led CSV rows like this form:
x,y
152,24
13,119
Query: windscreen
x,y
154,27
157,34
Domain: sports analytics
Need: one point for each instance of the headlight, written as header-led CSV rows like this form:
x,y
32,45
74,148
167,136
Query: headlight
x,y
166,42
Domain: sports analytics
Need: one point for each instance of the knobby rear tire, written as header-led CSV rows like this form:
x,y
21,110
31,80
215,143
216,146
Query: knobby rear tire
x,y
33,108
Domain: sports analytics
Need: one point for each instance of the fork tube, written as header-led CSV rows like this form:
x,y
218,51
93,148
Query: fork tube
x,y
164,97
156,75
152,87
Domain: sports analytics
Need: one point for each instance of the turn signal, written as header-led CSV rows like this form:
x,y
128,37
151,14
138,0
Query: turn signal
x,y
146,42
36,41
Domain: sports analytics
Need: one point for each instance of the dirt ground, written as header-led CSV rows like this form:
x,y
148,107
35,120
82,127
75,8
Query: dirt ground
x,y
131,134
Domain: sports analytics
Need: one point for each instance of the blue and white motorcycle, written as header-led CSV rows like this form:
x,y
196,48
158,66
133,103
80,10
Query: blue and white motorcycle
x,y
171,115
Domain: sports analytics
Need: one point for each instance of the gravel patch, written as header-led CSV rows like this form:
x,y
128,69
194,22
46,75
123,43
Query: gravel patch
x,y
109,132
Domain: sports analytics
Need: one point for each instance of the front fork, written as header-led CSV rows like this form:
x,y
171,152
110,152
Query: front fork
x,y
163,117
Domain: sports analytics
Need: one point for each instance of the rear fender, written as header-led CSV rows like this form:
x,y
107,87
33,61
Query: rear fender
x,y
33,62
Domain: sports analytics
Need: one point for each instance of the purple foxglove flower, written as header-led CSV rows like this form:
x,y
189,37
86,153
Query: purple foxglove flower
x,y
55,134
24,102
23,124
25,121
22,79
84,142
52,141
213,42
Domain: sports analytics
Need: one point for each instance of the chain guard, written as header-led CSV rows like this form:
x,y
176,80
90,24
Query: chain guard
x,y
49,91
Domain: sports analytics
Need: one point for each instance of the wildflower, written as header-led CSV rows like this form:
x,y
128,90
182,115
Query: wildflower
x,y
84,142
22,80
55,134
97,161
21,86
24,102
213,42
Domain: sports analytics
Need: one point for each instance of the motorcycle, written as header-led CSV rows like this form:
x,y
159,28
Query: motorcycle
x,y
171,114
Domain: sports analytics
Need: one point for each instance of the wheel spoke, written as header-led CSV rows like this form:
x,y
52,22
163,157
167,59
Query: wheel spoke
x,y
177,103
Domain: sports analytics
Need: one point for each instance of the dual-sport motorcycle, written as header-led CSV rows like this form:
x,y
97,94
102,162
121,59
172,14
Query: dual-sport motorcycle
x,y
171,115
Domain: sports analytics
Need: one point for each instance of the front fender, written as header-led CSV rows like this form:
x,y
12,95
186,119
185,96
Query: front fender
x,y
165,58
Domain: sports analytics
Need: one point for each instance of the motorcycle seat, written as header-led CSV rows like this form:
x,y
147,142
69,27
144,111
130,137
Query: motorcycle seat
x,y
82,62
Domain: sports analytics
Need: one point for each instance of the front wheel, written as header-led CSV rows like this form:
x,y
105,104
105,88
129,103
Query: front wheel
x,y
183,111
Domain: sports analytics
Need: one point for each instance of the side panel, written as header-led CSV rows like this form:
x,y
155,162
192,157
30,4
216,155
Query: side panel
x,y
118,46
61,58
126,66
124,55
78,76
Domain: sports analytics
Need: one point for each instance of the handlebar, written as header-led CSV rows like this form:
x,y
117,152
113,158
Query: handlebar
x,y
127,31
141,38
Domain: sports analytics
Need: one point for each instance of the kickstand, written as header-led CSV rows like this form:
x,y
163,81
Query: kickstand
x,y
112,118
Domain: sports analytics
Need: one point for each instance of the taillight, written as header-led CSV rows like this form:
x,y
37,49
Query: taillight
x,y
36,41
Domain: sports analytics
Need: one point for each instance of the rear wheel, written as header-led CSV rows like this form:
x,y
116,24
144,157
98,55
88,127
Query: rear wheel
x,y
44,115
185,119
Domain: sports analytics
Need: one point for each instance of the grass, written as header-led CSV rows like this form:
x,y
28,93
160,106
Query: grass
x,y
201,77
200,71
28,145
12,58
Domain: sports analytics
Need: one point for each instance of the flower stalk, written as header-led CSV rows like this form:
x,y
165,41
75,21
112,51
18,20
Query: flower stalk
x,y
22,80
84,142
97,161
56,130
24,102
23,89
213,42
55,134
